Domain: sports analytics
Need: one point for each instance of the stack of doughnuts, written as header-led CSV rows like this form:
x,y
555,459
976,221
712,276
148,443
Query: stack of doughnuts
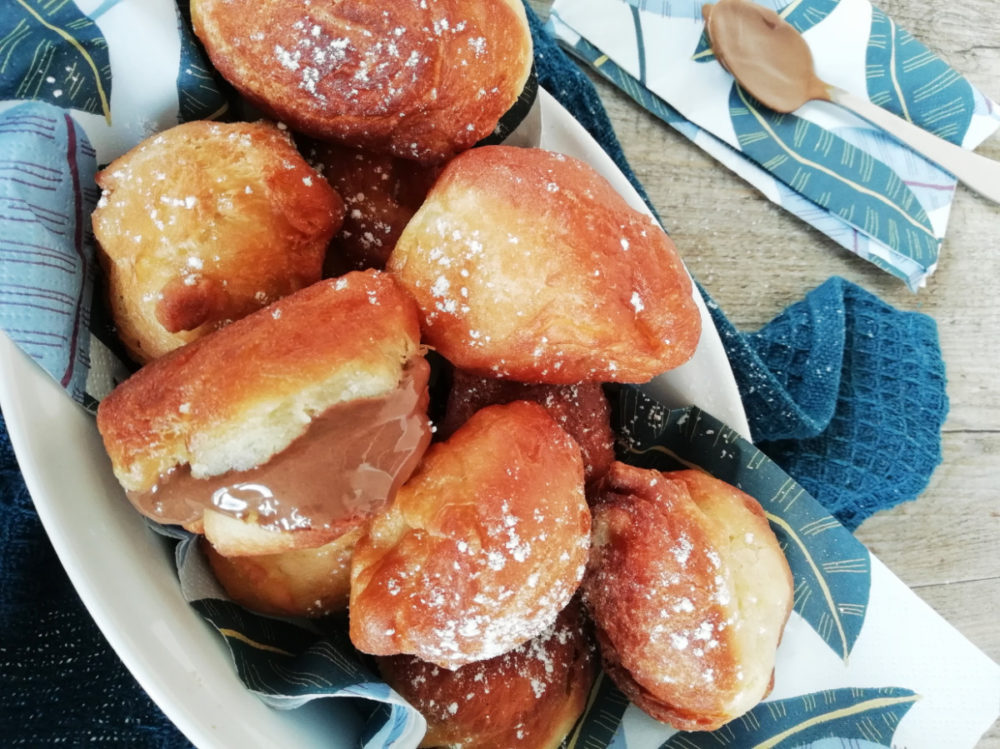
x,y
283,309
207,222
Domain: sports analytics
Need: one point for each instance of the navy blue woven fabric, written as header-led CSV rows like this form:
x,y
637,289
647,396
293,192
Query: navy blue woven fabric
x,y
847,394
60,682
843,391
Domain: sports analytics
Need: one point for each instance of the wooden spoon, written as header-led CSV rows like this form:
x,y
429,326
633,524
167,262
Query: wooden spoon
x,y
771,60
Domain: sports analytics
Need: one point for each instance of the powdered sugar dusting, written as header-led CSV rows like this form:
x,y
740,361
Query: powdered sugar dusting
x,y
679,600
542,666
378,63
498,616
682,550
500,565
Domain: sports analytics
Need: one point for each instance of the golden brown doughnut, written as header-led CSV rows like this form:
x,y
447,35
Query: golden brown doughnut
x,y
482,547
301,582
581,409
689,592
205,223
421,80
529,697
380,192
527,265
302,417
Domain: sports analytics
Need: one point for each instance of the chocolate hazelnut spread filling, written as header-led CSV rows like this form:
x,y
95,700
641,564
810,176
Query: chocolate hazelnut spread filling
x,y
765,53
349,462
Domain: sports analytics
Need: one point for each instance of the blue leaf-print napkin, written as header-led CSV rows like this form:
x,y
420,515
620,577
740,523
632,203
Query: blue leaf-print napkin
x,y
833,170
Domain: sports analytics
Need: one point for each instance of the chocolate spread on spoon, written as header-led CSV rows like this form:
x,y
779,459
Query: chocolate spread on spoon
x,y
772,61
348,463
765,53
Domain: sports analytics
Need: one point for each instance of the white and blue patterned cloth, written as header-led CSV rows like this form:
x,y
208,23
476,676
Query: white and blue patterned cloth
x,y
835,171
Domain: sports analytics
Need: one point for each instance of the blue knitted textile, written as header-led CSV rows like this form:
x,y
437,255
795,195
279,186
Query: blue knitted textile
x,y
60,682
846,393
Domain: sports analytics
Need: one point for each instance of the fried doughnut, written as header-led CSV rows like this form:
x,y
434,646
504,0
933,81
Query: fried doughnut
x,y
420,80
381,193
529,697
205,223
481,549
297,420
689,592
301,582
581,409
527,265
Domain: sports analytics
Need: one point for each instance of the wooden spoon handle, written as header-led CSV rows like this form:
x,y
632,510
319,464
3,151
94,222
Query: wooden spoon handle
x,y
977,172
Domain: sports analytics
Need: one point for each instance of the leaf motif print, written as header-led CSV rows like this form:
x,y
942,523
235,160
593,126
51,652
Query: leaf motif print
x,y
834,175
601,718
868,715
199,94
53,52
906,78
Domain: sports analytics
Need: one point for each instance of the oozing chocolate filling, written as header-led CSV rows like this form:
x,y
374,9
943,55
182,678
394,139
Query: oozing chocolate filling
x,y
349,462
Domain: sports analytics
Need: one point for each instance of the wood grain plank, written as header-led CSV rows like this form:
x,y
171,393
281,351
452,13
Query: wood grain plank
x,y
950,533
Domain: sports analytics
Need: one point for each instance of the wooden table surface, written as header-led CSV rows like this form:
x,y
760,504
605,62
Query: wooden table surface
x,y
754,258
